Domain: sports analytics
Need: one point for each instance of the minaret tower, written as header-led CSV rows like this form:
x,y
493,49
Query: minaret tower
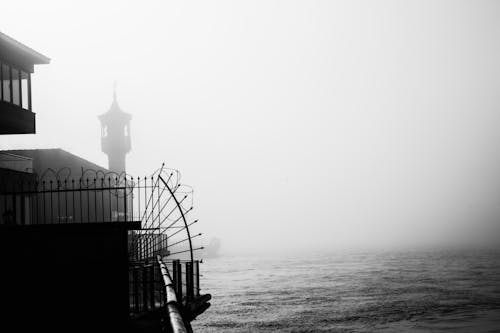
x,y
115,135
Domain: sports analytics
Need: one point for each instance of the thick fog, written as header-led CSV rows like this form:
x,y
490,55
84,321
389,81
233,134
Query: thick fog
x,y
301,125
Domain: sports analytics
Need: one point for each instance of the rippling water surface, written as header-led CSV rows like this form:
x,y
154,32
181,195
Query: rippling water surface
x,y
446,291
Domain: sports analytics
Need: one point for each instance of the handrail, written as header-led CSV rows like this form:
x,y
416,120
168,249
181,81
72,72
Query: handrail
x,y
172,305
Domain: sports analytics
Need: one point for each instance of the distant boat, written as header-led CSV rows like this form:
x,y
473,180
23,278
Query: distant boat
x,y
212,249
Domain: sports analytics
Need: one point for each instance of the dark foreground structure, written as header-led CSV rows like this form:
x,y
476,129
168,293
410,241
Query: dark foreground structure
x,y
84,248
63,277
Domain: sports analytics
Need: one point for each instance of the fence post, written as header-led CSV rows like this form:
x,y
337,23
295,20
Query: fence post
x,y
125,200
135,279
178,280
197,277
152,286
144,288
189,281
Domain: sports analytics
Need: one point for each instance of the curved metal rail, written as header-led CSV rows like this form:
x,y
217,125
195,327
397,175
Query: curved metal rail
x,y
166,229
172,306
182,215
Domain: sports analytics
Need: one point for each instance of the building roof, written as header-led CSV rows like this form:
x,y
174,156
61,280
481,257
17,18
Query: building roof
x,y
57,159
17,54
36,57
15,162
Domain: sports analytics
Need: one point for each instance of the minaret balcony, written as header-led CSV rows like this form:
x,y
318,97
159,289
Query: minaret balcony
x,y
110,145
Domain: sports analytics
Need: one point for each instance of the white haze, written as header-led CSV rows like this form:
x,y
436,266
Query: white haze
x,y
302,125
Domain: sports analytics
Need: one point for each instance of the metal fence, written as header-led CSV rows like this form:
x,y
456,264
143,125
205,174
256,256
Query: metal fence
x,y
159,202
68,201
146,286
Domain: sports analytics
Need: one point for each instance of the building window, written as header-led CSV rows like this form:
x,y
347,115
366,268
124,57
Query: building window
x,y
25,97
16,87
6,84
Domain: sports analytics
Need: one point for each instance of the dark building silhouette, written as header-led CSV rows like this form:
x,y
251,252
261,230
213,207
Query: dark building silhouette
x,y
115,136
16,117
16,66
58,187
57,277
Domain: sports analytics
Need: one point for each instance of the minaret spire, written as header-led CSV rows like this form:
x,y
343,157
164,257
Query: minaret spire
x,y
114,91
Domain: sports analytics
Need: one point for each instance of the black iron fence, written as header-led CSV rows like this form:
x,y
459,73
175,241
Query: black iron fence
x,y
68,201
160,203
145,288
146,285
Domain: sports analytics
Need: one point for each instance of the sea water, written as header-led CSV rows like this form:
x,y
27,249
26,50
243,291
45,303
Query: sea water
x,y
384,291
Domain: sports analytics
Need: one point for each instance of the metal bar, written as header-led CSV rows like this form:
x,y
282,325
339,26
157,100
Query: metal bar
x,y
135,279
139,194
125,200
163,207
185,239
117,202
51,207
73,214
95,199
179,279
152,287
146,201
184,227
88,202
195,249
183,215
197,277
110,205
175,275
81,204
175,319
189,281
66,200
58,202
144,288
102,198
132,198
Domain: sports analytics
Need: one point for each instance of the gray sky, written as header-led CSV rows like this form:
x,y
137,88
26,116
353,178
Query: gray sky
x,y
301,125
